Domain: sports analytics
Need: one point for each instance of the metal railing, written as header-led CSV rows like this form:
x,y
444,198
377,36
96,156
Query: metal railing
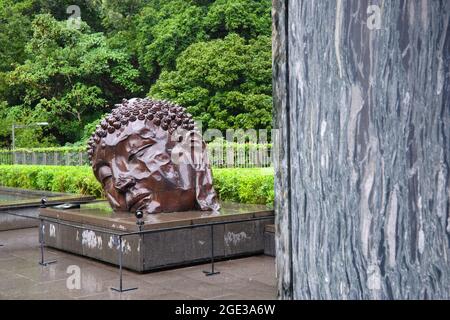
x,y
44,158
219,157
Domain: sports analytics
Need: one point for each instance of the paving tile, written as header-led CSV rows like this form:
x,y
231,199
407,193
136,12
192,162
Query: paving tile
x,y
258,290
258,295
267,278
162,277
5,274
33,254
247,267
141,293
88,286
21,277
217,279
16,286
196,288
5,254
49,296
16,263
42,274
233,296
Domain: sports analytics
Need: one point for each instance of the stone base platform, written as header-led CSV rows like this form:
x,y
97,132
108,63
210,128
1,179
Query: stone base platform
x,y
26,203
269,240
168,239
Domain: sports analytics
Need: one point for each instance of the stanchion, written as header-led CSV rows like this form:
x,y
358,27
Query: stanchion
x,y
41,241
212,272
120,289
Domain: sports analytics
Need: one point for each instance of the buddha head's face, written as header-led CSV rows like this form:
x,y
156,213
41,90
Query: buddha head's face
x,y
132,155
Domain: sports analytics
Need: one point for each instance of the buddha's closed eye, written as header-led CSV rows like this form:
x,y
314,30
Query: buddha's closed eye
x,y
139,152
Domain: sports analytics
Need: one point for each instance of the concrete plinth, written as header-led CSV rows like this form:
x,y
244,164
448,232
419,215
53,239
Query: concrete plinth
x,y
169,239
269,240
26,203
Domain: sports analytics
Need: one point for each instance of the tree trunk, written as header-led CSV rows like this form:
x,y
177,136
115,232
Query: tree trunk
x,y
362,105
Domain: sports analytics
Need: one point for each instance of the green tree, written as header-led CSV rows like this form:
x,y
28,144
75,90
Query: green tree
x,y
15,31
70,76
225,83
248,18
172,36
213,56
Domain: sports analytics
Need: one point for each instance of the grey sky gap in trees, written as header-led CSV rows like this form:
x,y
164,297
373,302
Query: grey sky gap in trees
x,y
362,177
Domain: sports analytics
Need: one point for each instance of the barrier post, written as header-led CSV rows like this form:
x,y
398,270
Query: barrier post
x,y
41,241
120,289
212,272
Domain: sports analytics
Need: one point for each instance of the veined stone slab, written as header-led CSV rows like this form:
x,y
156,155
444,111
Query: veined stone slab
x,y
362,185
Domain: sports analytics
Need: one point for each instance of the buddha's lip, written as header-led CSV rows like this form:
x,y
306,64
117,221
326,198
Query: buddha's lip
x,y
135,200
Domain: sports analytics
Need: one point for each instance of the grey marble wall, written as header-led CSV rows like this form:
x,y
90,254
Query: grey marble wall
x,y
362,107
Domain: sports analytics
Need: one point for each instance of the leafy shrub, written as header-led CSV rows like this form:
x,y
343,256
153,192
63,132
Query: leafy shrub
x,y
236,184
51,178
245,185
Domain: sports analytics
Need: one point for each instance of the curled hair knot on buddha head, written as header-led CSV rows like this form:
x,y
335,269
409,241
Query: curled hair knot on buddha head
x,y
167,115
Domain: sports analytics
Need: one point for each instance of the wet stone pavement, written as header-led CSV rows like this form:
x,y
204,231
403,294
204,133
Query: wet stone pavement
x,y
21,277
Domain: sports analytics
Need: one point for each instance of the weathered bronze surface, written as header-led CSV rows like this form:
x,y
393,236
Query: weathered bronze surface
x,y
149,156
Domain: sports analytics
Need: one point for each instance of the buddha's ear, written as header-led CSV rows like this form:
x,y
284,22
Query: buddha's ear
x,y
205,194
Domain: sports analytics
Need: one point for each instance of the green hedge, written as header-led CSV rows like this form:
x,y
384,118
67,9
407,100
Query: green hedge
x,y
51,178
245,185
239,185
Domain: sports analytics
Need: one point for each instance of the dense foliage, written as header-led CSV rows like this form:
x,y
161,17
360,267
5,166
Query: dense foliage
x,y
238,185
214,57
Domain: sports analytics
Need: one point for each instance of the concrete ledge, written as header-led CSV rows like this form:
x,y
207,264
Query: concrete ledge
x,y
269,240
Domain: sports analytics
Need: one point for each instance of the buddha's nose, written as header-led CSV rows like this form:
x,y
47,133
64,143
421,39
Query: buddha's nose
x,y
123,183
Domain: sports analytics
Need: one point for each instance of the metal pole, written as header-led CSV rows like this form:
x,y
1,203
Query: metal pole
x,y
120,289
23,126
13,137
120,263
212,272
41,240
13,134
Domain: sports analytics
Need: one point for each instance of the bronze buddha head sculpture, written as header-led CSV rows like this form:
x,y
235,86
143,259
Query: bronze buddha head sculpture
x,y
149,156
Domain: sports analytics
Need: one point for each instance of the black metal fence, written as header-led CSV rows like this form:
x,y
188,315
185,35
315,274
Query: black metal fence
x,y
219,157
